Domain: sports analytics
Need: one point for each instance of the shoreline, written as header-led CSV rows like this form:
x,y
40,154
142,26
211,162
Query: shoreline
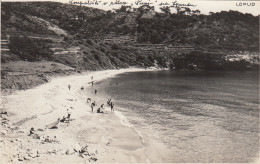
x,y
47,77
106,138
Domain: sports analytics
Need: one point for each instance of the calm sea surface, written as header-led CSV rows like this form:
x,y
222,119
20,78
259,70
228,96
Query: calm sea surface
x,y
199,116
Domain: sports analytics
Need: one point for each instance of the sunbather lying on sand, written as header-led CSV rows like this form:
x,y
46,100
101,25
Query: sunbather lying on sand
x,y
63,119
49,140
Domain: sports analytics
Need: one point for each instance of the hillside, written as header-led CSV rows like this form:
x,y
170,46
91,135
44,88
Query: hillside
x,y
84,38
225,30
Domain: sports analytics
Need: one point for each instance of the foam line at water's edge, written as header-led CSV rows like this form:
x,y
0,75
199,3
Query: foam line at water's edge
x,y
126,123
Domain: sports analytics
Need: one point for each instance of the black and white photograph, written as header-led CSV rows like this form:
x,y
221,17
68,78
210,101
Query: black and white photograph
x,y
129,81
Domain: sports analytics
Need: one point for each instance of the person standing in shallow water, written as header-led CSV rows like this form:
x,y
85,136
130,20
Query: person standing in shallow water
x,y
95,91
112,106
92,82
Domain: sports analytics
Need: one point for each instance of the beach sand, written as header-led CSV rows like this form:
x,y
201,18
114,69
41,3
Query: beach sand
x,y
89,137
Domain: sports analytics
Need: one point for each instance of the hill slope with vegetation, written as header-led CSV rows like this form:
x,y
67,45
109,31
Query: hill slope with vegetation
x,y
84,38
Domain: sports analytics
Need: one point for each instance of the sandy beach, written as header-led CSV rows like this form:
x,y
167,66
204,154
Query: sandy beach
x,y
88,137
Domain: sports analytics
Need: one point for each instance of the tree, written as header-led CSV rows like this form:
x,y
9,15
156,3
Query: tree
x,y
193,12
187,10
124,8
197,12
180,10
166,10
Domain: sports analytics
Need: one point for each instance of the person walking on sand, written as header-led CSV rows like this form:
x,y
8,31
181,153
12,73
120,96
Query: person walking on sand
x,y
69,86
88,100
69,114
92,83
92,106
95,91
112,106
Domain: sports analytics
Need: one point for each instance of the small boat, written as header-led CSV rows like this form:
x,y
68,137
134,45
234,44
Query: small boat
x,y
53,125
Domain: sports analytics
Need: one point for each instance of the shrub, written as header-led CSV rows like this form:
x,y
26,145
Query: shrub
x,y
89,42
30,49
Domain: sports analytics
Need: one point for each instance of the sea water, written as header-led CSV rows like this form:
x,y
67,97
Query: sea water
x,y
199,116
